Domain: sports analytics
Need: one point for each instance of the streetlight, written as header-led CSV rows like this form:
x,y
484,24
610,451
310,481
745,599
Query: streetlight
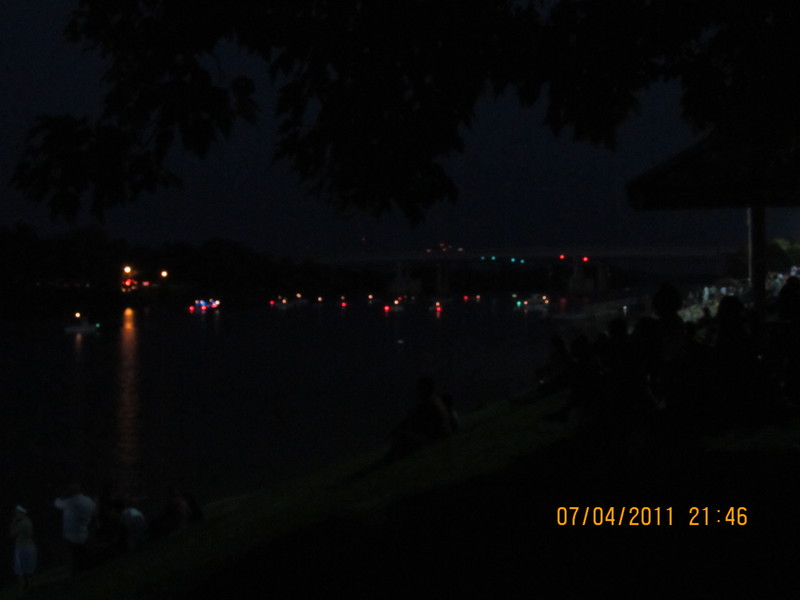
x,y
164,274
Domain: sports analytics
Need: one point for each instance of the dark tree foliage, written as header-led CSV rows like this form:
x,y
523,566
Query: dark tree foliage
x,y
373,94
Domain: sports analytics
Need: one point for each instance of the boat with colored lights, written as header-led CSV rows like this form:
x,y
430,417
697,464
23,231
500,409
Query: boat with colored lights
x,y
203,306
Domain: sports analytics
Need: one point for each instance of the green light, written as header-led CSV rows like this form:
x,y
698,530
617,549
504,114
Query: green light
x,y
494,258
513,260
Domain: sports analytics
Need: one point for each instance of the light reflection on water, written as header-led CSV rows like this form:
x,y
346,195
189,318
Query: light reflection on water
x,y
233,401
127,476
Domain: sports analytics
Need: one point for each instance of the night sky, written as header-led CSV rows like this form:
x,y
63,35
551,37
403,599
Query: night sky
x,y
519,185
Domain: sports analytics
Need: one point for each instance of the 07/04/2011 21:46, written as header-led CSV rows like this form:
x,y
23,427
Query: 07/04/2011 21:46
x,y
636,516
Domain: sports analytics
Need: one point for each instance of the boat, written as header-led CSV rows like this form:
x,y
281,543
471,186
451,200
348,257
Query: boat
x,y
203,306
536,303
81,325
298,301
436,307
395,307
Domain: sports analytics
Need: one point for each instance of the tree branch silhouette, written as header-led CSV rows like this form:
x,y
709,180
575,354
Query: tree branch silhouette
x,y
372,96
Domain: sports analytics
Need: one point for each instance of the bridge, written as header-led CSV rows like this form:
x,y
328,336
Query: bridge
x,y
536,254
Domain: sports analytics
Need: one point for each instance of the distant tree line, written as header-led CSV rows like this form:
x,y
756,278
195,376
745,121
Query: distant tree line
x,y
85,268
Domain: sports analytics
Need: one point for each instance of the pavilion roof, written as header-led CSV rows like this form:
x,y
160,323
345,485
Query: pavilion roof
x,y
713,174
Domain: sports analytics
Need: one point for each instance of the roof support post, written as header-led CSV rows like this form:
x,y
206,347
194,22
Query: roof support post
x,y
756,217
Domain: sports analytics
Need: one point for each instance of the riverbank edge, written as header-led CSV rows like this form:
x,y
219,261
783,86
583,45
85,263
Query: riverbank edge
x,y
503,476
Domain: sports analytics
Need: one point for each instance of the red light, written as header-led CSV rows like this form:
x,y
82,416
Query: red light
x,y
562,256
386,309
466,298
272,302
344,304
191,309
438,309
585,259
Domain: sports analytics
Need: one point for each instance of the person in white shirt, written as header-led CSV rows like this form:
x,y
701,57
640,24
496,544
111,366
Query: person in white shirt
x,y
78,514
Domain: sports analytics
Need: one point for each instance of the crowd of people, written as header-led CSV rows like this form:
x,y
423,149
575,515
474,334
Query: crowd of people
x,y
662,374
725,368
97,529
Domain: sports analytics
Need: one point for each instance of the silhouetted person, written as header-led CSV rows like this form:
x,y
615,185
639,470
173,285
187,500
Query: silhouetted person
x,y
784,350
427,422
195,510
79,510
628,398
789,301
25,552
585,391
736,361
452,415
108,532
180,510
675,379
666,304
555,374
135,525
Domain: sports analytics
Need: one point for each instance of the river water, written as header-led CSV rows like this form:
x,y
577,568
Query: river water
x,y
231,401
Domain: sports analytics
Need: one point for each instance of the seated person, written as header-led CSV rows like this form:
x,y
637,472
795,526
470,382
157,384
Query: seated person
x,y
429,420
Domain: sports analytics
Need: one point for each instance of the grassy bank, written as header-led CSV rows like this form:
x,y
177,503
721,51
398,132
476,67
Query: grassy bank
x,y
490,439
477,513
